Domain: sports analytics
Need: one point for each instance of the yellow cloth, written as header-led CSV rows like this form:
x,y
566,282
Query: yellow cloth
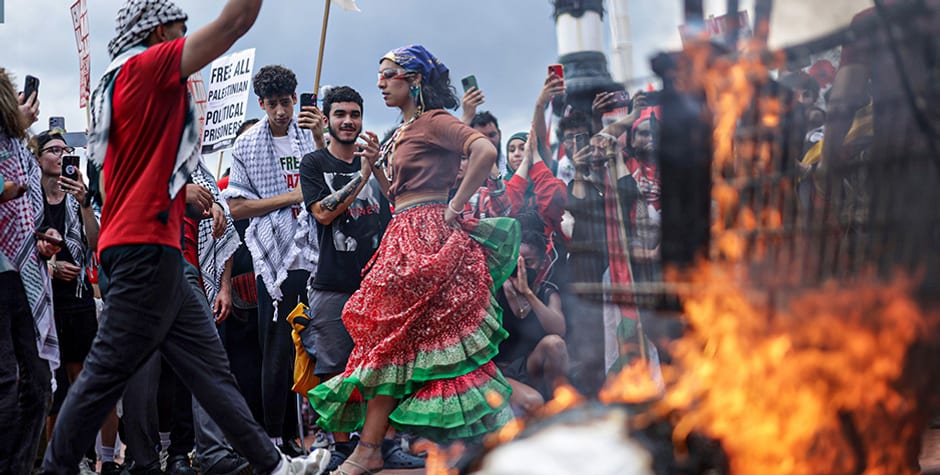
x,y
304,379
862,127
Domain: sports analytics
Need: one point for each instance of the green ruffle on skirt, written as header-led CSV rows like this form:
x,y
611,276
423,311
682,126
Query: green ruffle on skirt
x,y
341,402
500,237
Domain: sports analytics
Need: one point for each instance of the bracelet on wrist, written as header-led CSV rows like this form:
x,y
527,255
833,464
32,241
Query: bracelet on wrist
x,y
451,206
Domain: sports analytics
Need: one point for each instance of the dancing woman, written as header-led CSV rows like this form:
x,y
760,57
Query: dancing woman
x,y
425,322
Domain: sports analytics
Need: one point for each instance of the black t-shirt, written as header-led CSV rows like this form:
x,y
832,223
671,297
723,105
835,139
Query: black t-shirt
x,y
346,244
65,295
524,333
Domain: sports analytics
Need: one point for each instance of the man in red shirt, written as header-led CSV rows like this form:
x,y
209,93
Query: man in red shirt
x,y
149,304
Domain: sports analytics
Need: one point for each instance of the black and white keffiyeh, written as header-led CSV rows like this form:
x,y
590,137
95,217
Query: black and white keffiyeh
x,y
137,18
134,23
213,253
257,174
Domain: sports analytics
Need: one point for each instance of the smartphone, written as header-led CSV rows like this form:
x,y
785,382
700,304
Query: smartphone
x,y
652,98
31,86
557,70
580,141
51,240
468,82
622,98
308,99
70,167
57,123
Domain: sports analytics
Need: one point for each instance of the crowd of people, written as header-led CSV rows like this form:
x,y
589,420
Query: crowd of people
x,y
435,267
432,265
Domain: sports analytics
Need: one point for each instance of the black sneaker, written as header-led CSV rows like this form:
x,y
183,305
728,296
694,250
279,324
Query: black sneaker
x,y
179,465
341,450
112,468
233,464
396,458
291,448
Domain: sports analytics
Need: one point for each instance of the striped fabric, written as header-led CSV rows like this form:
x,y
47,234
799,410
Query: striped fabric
x,y
75,240
256,174
18,221
213,253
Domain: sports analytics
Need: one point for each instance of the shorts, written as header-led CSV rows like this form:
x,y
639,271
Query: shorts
x,y
76,329
516,369
326,339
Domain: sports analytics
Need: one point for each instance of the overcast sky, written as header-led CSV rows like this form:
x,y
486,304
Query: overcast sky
x,y
505,43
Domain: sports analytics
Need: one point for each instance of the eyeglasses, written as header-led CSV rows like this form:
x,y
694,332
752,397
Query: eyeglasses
x,y
57,150
392,73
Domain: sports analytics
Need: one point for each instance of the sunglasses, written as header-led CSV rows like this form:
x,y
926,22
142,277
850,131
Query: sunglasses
x,y
57,150
393,73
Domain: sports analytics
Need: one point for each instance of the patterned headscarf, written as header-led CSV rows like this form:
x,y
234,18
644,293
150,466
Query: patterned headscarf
x,y
137,18
416,58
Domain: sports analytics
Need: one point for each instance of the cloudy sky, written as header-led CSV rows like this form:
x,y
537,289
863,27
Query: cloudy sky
x,y
505,43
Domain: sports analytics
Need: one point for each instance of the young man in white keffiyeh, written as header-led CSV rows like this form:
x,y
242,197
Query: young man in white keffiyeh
x,y
149,304
265,186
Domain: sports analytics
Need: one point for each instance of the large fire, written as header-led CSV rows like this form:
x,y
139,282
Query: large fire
x,y
806,387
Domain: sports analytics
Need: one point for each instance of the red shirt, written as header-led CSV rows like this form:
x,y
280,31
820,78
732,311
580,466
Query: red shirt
x,y
149,110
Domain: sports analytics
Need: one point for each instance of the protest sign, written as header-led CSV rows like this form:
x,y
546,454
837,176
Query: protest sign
x,y
80,22
717,28
227,97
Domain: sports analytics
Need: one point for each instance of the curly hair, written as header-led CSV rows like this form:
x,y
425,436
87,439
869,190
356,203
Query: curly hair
x,y
340,94
10,123
274,81
439,93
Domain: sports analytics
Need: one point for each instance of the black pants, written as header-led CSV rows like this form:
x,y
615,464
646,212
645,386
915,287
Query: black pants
x,y
25,380
150,306
239,333
277,350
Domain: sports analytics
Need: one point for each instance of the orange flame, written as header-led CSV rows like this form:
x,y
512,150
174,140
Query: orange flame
x,y
508,432
565,397
439,460
632,384
787,389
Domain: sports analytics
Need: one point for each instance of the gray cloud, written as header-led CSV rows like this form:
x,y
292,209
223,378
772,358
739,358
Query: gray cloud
x,y
505,43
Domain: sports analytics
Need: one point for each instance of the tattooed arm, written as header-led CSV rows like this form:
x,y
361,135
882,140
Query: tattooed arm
x,y
334,205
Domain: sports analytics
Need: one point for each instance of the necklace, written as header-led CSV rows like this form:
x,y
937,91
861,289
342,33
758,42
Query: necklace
x,y
388,150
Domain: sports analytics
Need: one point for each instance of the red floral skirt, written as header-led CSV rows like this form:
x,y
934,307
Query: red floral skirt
x,y
426,326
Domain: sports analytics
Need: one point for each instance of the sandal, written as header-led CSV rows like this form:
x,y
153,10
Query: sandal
x,y
365,471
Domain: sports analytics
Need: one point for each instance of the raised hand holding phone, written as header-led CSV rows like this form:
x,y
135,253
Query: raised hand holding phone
x,y
469,82
472,98
29,102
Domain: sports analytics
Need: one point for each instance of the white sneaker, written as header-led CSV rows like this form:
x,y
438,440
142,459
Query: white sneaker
x,y
86,467
312,464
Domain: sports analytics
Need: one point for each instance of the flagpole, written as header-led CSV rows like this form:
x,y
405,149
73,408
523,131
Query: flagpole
x,y
218,168
326,19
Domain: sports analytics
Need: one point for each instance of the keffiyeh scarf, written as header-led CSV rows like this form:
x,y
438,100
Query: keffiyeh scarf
x,y
213,253
134,23
18,220
256,174
137,18
75,240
